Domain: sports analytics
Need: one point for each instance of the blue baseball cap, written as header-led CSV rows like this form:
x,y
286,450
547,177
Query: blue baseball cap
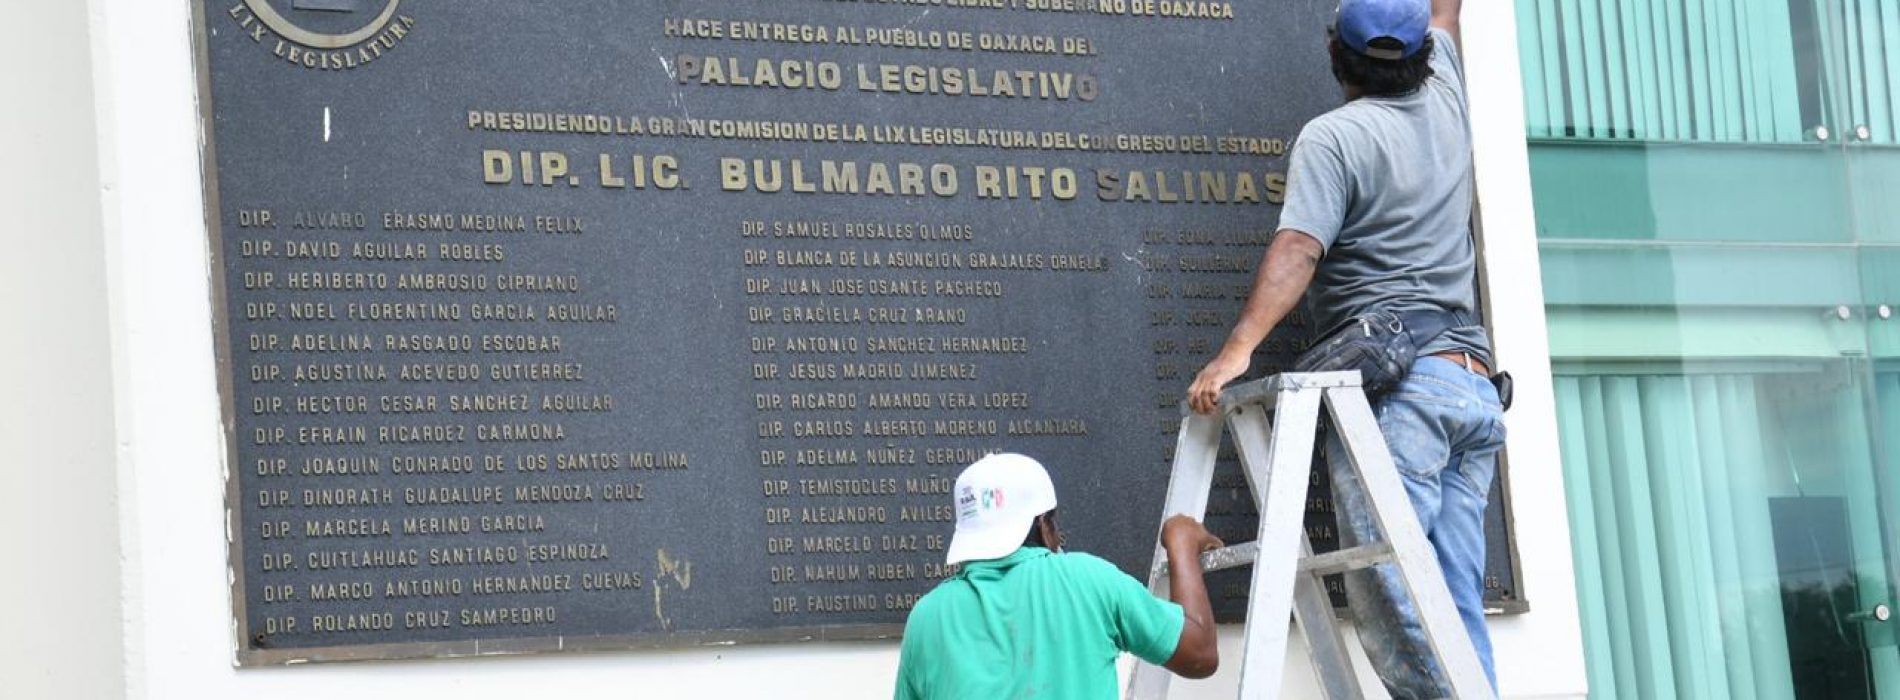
x,y
1383,29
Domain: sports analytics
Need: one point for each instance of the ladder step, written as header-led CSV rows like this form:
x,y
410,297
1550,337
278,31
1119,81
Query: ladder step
x,y
1323,564
1223,558
1230,557
1266,392
1348,559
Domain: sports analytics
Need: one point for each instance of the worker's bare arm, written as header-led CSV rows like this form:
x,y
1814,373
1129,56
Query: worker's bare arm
x,y
1284,273
1445,16
1197,654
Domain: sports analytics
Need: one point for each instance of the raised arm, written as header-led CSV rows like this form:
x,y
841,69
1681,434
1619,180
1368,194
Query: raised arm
x,y
1284,273
1197,655
1445,16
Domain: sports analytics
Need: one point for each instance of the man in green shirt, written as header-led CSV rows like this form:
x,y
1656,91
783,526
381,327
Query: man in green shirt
x,y
1023,619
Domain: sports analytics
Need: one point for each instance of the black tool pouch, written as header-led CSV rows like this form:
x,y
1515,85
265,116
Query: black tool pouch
x,y
1502,382
1376,344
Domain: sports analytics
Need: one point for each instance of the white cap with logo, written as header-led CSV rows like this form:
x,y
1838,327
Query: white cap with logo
x,y
997,501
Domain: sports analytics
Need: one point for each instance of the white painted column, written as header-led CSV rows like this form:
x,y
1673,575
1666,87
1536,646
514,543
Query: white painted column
x,y
59,540
1539,654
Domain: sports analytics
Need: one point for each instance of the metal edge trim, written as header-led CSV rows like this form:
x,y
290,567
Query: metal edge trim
x,y
540,645
220,321
1517,603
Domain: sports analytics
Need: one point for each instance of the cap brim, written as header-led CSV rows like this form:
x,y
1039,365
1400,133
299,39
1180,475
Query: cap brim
x,y
995,542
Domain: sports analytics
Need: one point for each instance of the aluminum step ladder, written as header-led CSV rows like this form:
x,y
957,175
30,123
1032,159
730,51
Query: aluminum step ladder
x,y
1274,422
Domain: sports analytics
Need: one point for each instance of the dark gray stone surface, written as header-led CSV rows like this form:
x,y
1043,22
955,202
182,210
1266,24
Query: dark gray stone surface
x,y
402,481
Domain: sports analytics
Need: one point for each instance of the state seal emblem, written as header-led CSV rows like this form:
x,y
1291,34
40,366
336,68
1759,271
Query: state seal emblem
x,y
333,35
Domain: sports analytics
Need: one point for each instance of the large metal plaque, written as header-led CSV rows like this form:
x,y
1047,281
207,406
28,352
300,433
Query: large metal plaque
x,y
550,326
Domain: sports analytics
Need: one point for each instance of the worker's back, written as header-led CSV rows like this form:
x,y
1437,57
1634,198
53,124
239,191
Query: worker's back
x,y
1034,624
1384,184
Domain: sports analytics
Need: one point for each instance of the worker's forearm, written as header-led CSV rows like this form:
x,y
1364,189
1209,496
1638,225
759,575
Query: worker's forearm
x,y
1284,274
1187,588
1446,9
1445,16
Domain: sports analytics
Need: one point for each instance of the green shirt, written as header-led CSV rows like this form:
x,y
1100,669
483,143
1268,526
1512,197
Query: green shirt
x,y
1032,625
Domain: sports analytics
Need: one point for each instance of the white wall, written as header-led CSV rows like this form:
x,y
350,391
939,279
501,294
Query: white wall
x,y
178,606
59,544
1539,654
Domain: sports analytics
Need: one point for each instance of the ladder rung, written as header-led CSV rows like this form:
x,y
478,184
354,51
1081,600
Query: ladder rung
x,y
1267,391
1230,557
1223,558
1347,559
1323,564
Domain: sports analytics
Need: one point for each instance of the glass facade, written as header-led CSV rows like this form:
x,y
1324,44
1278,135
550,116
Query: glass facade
x,y
1717,186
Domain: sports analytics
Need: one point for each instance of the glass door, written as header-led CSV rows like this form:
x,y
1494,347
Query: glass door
x,y
1718,237
1857,49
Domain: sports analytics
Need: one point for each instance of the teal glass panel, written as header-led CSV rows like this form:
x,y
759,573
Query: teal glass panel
x,y
1695,192
1598,274
1875,186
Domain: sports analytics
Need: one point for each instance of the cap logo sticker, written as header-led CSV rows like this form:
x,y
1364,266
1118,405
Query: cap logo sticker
x,y
966,503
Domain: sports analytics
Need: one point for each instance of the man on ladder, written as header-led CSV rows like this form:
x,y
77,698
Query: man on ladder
x,y
1377,212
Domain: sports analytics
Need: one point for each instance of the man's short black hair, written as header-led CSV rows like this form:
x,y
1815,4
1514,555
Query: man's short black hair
x,y
1376,77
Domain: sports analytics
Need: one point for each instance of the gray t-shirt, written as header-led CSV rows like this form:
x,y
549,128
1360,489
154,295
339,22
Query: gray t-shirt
x,y
1384,184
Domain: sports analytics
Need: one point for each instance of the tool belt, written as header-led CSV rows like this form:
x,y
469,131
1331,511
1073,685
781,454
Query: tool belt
x,y
1381,346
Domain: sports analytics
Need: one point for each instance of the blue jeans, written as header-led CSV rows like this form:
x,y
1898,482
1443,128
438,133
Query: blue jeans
x,y
1445,426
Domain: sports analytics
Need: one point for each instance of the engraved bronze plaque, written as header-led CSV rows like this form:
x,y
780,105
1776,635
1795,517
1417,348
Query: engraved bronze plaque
x,y
551,326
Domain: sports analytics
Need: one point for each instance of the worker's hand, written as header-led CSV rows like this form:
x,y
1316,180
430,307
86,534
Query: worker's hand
x,y
1184,533
1204,393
